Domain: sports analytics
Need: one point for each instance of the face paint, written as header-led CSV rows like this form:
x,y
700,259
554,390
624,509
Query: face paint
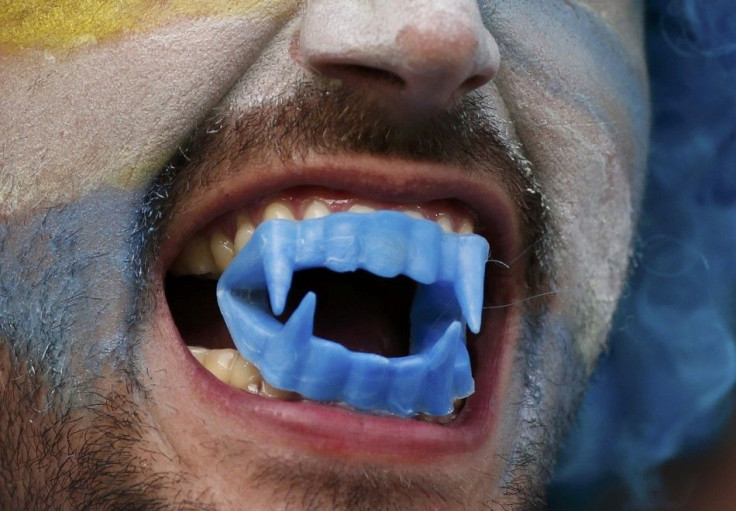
x,y
449,268
74,125
40,24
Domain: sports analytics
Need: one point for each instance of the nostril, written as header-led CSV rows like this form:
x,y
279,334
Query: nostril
x,y
358,73
474,82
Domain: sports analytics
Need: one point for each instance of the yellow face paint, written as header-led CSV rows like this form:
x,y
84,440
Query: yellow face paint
x,y
66,24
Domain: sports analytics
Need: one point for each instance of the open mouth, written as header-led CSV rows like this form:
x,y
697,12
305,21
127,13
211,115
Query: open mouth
x,y
358,310
382,308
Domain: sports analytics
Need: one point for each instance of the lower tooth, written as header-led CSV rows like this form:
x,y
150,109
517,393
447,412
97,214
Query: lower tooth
x,y
230,367
443,419
219,363
436,419
245,376
199,353
269,391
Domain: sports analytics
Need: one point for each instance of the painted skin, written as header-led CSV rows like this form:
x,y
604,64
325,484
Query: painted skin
x,y
88,122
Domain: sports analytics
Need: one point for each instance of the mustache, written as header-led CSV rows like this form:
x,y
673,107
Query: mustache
x,y
317,117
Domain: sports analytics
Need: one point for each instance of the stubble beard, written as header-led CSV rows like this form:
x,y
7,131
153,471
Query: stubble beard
x,y
77,434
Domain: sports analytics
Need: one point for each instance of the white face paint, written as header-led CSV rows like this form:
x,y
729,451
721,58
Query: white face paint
x,y
555,91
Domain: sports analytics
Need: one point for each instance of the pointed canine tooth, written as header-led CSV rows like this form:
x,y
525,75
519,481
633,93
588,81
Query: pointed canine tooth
x,y
244,232
472,257
199,353
277,211
444,222
223,250
316,210
196,258
219,363
245,375
466,227
361,208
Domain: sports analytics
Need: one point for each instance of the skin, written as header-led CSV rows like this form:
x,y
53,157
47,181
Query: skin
x,y
86,126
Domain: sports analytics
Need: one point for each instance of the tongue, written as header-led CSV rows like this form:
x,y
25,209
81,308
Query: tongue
x,y
362,312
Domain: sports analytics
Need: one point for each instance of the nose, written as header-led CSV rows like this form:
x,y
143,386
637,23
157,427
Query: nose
x,y
420,55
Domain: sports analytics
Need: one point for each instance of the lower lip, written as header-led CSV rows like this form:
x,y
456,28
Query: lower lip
x,y
333,432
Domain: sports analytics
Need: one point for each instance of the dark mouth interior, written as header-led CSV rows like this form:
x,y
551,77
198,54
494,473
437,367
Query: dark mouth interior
x,y
361,311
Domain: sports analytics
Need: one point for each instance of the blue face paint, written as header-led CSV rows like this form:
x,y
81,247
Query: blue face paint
x,y
449,269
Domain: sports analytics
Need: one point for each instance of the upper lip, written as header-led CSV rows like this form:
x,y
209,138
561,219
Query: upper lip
x,y
330,430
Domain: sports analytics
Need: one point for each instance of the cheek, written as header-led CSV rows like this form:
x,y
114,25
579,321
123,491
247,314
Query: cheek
x,y
65,24
590,177
587,179
112,113
579,103
68,294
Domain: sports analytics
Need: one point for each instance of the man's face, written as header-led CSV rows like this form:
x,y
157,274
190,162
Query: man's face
x,y
136,140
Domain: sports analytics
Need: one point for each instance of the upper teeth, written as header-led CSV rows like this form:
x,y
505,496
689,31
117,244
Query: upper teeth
x,y
210,253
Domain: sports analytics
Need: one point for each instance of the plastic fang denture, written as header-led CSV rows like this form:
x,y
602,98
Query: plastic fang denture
x,y
448,268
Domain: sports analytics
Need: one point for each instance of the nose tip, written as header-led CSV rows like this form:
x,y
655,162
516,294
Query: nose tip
x,y
421,59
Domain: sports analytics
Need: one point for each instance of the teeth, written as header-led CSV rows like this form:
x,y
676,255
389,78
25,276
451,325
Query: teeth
x,y
466,227
272,392
244,232
387,243
277,211
223,250
245,375
444,222
290,356
220,363
229,367
196,258
443,419
210,255
316,210
234,370
361,208
413,213
199,353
